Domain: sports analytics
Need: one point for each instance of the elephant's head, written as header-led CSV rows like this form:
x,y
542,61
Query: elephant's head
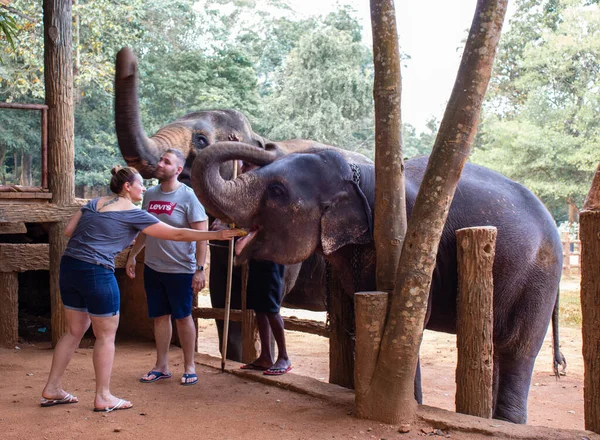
x,y
293,205
188,134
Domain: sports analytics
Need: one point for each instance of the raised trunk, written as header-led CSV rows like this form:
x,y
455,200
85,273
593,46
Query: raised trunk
x,y
230,200
137,149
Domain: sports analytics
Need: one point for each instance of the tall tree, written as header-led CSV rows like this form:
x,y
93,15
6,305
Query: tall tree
x,y
539,126
390,398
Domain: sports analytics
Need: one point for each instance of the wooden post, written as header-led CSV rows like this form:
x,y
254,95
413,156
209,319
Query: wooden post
x,y
58,75
566,249
371,308
9,312
341,342
250,344
476,248
589,234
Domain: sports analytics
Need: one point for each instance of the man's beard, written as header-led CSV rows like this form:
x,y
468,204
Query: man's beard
x,y
164,177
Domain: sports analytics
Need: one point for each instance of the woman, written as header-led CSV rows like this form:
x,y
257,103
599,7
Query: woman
x,y
89,290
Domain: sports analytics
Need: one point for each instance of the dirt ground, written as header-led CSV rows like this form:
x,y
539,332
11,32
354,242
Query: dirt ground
x,y
233,407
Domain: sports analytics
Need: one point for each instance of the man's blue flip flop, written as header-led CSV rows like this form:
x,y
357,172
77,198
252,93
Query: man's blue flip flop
x,y
157,376
187,376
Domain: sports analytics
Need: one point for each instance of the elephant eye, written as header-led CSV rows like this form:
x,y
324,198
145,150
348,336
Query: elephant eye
x,y
277,190
199,141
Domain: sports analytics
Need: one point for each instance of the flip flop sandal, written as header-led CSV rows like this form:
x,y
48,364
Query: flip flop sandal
x,y
277,371
187,376
69,398
118,406
253,366
157,376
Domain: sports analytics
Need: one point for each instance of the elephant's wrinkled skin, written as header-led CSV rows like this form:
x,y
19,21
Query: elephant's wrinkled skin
x,y
308,202
304,284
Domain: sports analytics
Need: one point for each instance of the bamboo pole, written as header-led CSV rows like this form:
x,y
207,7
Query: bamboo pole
x,y
228,290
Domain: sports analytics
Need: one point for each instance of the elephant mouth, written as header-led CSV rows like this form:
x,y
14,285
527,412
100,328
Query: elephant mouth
x,y
243,245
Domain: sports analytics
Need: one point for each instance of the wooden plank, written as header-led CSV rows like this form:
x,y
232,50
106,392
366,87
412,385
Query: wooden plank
x,y
36,212
23,257
25,195
589,231
290,323
13,228
475,321
9,312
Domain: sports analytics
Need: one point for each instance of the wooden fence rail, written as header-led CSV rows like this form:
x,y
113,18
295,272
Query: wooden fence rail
x,y
571,258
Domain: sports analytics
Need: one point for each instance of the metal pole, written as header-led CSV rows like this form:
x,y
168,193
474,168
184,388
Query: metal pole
x,y
228,290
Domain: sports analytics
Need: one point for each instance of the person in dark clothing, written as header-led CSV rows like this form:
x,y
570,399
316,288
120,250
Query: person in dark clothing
x,y
265,294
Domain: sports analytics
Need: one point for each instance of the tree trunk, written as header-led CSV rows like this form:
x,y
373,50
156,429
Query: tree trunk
x,y
26,160
390,397
476,248
390,198
15,167
2,167
58,75
22,175
589,232
371,308
592,201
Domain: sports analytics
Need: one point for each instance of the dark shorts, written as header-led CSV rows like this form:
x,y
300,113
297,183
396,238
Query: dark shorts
x,y
168,293
88,287
265,286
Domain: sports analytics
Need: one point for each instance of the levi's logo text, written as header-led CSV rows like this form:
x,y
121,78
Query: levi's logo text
x,y
161,207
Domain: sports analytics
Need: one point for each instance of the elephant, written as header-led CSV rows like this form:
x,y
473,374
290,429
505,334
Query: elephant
x,y
316,201
304,283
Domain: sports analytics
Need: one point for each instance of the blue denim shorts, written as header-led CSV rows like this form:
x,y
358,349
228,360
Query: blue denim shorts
x,y
88,287
168,293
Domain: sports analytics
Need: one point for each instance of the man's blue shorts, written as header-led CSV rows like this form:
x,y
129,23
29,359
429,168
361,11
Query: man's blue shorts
x,y
168,293
88,287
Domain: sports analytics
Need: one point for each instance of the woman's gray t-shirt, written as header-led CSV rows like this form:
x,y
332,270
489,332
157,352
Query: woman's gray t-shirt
x,y
100,236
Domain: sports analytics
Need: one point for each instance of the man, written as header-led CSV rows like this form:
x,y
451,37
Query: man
x,y
265,294
173,271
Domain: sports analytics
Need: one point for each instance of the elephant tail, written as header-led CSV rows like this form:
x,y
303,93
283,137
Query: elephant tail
x,y
559,359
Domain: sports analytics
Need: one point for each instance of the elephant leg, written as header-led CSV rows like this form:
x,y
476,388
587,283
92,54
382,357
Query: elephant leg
x,y
418,388
514,379
234,338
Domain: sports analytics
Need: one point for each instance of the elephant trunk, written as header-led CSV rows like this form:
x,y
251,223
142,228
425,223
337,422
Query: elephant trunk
x,y
138,150
234,201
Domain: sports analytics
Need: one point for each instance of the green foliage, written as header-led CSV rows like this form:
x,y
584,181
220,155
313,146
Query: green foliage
x,y
540,126
309,78
324,92
8,29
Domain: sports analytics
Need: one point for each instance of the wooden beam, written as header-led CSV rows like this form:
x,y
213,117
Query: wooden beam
x,y
36,212
24,195
23,257
290,323
13,228
476,248
9,312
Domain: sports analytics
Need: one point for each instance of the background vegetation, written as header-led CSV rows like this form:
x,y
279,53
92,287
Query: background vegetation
x,y
309,78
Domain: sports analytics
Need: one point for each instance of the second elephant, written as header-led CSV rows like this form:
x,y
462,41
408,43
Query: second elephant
x,y
318,202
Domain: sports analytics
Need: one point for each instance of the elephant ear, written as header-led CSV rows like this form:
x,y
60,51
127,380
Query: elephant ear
x,y
347,219
275,148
